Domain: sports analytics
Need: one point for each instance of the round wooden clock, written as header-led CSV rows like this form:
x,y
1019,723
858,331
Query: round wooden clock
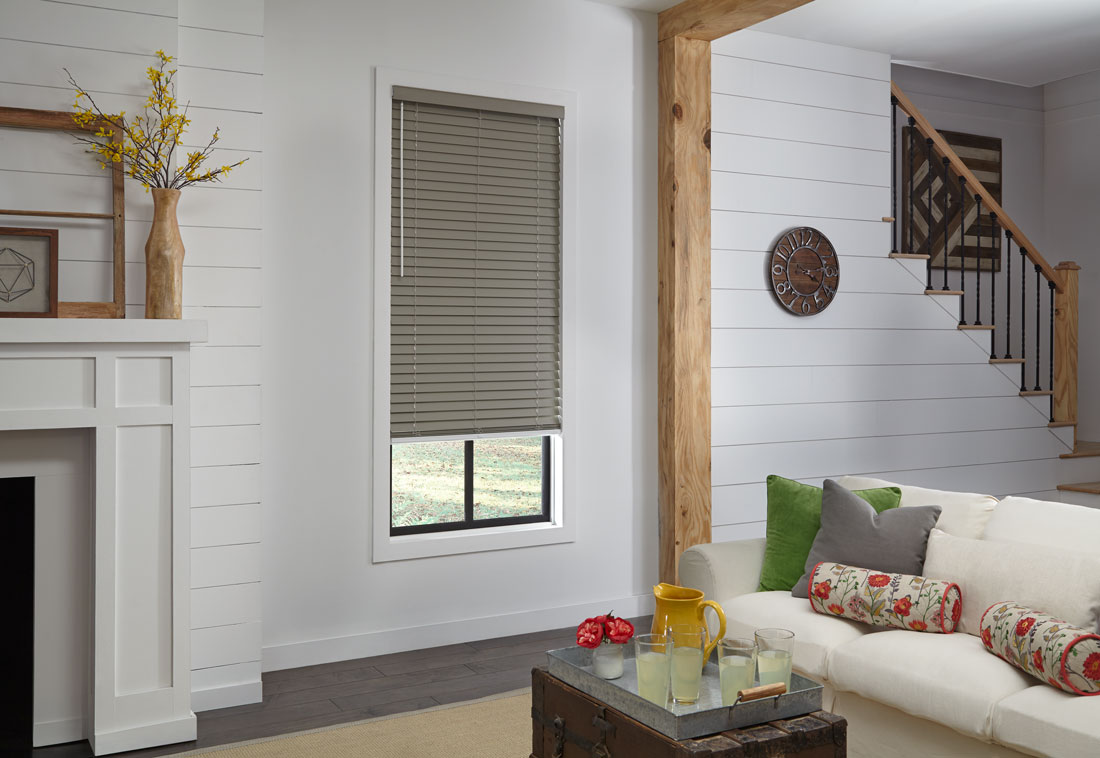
x,y
805,272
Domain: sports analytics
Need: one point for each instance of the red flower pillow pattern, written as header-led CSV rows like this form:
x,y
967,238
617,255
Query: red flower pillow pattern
x,y
1063,656
880,599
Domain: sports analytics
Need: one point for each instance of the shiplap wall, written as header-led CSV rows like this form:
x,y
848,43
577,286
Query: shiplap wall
x,y
107,45
881,382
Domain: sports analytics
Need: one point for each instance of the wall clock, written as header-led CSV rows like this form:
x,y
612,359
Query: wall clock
x,y
804,270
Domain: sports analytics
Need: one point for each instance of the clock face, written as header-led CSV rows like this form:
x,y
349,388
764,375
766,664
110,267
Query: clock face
x,y
805,272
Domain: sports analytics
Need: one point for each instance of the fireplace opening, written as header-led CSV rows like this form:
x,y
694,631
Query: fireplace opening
x,y
17,656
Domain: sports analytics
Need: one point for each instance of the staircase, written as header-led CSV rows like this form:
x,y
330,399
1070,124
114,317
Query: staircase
x,y
1028,321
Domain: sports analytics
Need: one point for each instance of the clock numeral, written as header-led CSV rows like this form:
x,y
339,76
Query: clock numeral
x,y
778,270
819,301
805,306
831,272
783,288
829,291
784,255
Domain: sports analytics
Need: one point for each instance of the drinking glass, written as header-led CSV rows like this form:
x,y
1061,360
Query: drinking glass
x,y
653,657
773,661
688,642
736,666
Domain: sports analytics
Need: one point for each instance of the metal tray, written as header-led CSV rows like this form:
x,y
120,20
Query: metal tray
x,y
573,666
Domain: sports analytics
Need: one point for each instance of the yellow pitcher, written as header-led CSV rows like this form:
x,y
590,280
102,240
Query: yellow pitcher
x,y
683,605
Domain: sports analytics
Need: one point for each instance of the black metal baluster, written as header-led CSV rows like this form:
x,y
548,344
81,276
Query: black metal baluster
x,y
946,207
1023,318
928,219
1050,348
978,265
912,149
1008,292
962,252
1038,334
994,236
894,173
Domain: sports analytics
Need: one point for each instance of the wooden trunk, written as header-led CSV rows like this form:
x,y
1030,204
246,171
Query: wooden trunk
x,y
566,723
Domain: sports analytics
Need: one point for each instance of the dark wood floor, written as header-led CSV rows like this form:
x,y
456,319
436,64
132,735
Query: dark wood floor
x,y
338,693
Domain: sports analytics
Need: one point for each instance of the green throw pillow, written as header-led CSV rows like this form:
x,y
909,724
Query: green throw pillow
x,y
794,517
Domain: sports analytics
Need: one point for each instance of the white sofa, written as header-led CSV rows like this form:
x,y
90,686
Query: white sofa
x,y
911,694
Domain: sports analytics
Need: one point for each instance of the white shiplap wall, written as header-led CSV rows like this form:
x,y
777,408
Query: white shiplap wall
x,y
881,382
107,44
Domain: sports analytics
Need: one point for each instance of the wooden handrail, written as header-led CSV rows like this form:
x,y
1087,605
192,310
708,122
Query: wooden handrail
x,y
992,206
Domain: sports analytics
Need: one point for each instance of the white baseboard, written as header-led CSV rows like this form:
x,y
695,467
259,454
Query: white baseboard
x,y
58,732
149,735
312,652
226,696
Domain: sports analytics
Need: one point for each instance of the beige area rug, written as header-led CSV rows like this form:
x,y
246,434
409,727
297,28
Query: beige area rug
x,y
493,727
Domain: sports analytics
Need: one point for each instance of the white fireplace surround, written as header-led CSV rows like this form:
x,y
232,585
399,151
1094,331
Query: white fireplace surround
x,y
128,382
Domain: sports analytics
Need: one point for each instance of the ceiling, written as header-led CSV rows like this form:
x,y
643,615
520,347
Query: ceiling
x,y
1025,42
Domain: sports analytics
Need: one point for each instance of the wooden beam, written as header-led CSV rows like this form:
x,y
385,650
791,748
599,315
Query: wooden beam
x,y
683,298
991,205
710,19
1065,343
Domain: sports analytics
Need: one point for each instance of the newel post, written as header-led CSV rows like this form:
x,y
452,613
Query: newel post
x,y
1065,343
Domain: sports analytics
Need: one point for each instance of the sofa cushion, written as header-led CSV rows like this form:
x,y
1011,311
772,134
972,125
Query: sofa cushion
x,y
1042,522
964,514
815,635
855,534
949,679
794,516
1054,581
1045,721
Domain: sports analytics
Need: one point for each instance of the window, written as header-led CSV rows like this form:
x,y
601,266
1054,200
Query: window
x,y
474,310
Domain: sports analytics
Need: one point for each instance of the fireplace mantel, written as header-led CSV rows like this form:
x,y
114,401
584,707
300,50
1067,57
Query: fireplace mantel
x,y
128,381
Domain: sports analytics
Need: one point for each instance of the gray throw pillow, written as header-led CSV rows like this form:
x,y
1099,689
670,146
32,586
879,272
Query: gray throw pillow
x,y
852,533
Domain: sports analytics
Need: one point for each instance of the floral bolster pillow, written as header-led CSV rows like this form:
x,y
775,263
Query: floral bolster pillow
x,y
1063,656
879,599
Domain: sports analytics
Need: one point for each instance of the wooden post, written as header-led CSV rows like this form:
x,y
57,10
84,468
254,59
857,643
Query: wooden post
x,y
683,298
684,34
1065,343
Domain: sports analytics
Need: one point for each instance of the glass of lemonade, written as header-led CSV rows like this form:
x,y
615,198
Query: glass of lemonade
x,y
736,667
773,659
688,641
653,658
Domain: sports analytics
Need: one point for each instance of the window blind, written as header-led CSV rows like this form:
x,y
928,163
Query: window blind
x,y
475,286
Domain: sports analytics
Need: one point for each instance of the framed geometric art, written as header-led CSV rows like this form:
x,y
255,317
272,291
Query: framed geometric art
x,y
28,272
982,155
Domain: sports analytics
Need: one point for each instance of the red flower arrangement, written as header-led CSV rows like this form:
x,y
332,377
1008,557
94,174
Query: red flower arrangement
x,y
606,629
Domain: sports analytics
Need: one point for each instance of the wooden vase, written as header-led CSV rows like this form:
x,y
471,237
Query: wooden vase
x,y
164,259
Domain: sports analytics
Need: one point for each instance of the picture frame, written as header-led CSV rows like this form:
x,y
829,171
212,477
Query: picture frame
x,y
28,273
27,118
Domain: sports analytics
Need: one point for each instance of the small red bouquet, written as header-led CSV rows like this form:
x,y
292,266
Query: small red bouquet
x,y
605,629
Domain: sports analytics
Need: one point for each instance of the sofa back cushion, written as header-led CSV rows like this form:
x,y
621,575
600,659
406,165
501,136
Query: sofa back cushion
x,y
964,514
1042,522
1059,582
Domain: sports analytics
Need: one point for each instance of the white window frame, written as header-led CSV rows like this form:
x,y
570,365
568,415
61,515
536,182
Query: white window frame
x,y
562,525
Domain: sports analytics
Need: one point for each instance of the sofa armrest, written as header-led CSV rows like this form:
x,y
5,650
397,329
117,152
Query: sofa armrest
x,y
723,569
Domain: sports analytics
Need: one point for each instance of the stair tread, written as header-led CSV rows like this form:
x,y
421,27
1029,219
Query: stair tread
x,y
1036,393
1056,424
976,327
1083,449
910,256
1006,360
944,292
1092,488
